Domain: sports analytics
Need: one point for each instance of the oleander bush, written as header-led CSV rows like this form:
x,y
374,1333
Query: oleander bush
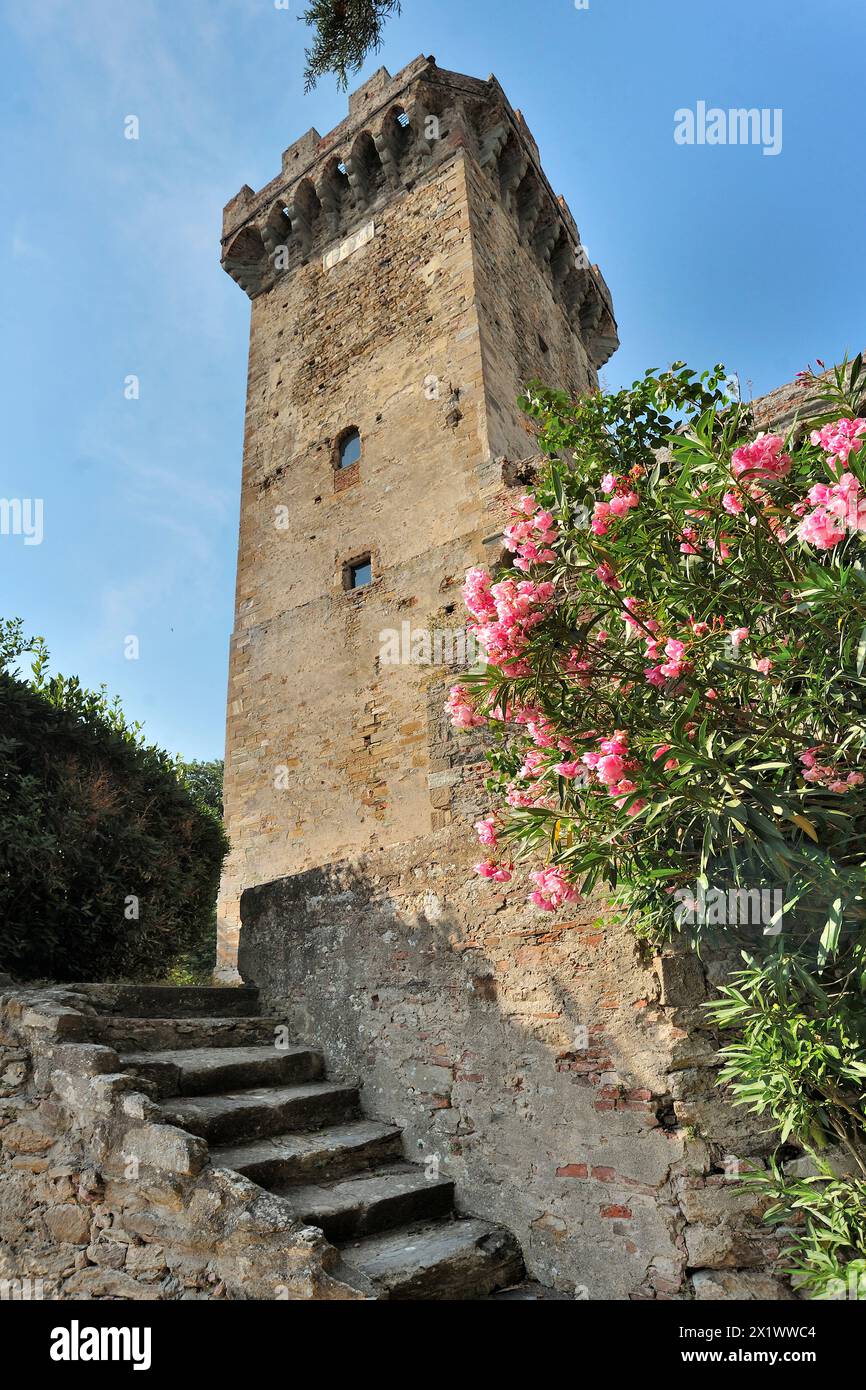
x,y
673,706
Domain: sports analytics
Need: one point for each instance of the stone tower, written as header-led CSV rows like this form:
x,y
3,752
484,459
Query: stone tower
x,y
409,273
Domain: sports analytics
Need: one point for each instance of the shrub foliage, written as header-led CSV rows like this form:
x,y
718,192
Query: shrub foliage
x,y
108,866
675,706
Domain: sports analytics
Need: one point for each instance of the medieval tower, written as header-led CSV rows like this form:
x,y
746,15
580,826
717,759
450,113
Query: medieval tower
x,y
409,273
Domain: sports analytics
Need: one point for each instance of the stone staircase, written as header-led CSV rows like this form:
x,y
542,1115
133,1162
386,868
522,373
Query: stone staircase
x,y
269,1112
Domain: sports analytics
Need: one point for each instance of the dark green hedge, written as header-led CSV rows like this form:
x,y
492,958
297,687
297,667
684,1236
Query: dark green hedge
x,y
90,819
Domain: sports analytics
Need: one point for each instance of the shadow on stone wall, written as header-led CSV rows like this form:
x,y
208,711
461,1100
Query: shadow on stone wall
x,y
564,1079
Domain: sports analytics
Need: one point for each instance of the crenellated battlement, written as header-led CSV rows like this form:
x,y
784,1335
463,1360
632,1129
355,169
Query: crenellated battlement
x,y
397,131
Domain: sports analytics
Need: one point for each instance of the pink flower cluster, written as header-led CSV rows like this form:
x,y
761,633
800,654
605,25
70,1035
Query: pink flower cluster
x,y
837,507
552,890
531,537
530,788
611,766
675,652
504,615
486,831
826,774
623,497
763,457
841,439
462,712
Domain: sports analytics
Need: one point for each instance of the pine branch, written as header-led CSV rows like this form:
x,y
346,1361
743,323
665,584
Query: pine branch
x,y
345,32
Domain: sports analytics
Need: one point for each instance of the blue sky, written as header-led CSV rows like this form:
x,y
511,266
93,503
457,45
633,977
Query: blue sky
x,y
112,261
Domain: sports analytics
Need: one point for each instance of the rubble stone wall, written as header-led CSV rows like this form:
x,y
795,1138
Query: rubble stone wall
x,y
99,1200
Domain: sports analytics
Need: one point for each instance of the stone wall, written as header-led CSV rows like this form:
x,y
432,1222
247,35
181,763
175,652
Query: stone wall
x,y
100,1200
563,1078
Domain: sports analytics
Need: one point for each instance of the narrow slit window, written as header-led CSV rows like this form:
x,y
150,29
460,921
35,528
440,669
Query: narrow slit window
x,y
349,450
360,573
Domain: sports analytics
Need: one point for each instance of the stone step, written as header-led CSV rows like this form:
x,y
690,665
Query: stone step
x,y
364,1203
173,1001
287,1159
251,1114
459,1259
168,1034
208,1071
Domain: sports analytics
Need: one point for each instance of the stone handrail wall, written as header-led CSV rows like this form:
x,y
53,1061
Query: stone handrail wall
x,y
98,1199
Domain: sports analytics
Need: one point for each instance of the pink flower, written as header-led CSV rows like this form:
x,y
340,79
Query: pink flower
x,y
518,607
600,524
840,439
763,457
765,665
607,575
553,889
738,635
837,506
732,503
531,535
821,529
462,711
609,769
825,774
500,873
486,830
569,770
477,596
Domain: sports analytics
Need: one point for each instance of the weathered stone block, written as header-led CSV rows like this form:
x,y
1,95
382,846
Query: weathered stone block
x,y
69,1224
166,1148
681,977
712,1286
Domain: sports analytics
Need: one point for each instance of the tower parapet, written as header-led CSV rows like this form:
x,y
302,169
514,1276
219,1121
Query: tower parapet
x,y
399,129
